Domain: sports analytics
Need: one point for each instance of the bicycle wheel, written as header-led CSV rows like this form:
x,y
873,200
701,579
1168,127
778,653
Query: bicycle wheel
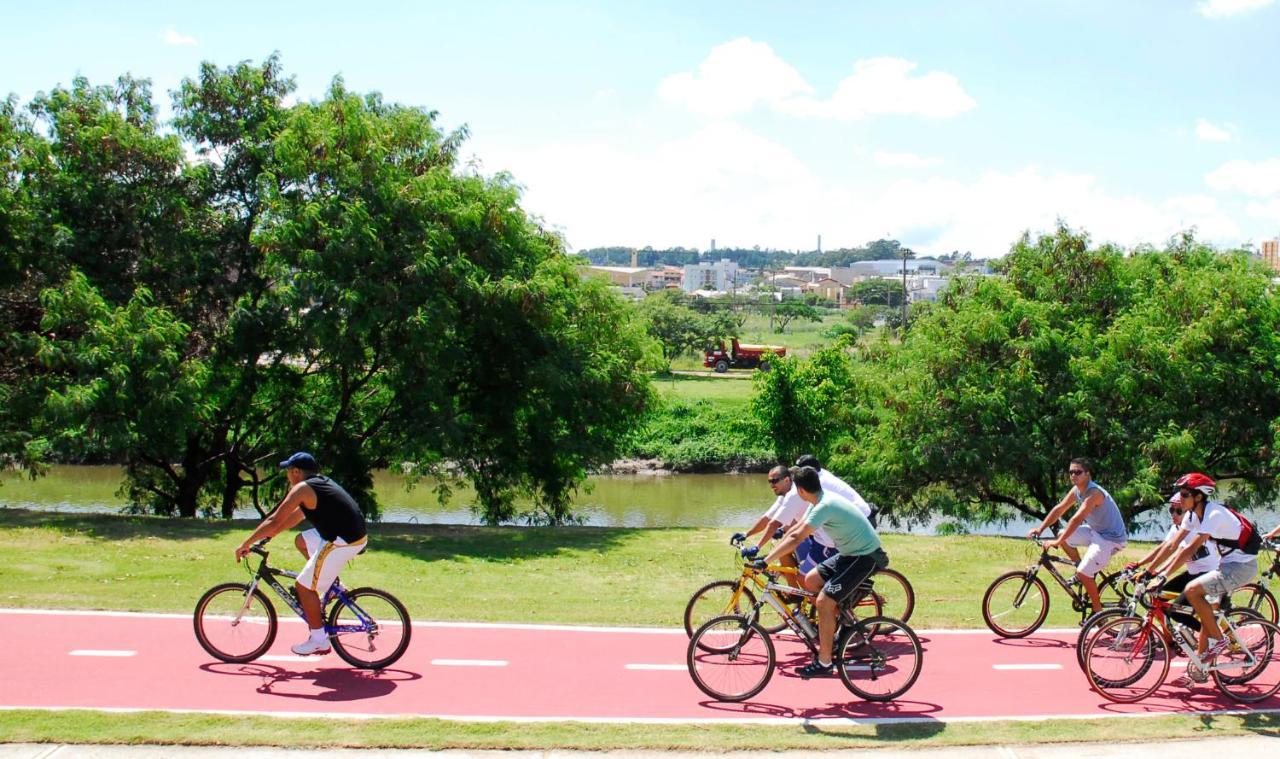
x,y
234,625
1091,626
716,599
1113,590
879,665
1015,606
1255,597
897,597
1246,670
1126,660
730,658
372,631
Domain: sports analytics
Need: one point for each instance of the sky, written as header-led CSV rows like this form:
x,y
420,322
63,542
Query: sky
x,y
950,126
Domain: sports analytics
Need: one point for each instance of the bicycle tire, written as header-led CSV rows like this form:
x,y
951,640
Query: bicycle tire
x,y
898,587
1033,590
1247,687
359,648
1118,642
873,649
1257,598
1089,627
744,665
708,592
258,632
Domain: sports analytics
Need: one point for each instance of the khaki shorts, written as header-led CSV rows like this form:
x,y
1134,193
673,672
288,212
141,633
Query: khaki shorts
x,y
1227,577
326,559
1099,551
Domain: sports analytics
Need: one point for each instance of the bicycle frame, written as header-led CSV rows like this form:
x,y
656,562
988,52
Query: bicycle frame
x,y
1079,596
1158,622
269,575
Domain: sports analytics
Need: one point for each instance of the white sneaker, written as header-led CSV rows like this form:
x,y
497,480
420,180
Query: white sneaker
x,y
309,647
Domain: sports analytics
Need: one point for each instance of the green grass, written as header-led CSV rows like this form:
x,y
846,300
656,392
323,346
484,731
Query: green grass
x,y
565,575
576,575
87,726
732,388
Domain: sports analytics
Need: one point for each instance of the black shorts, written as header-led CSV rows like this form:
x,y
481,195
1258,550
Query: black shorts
x,y
843,574
1179,583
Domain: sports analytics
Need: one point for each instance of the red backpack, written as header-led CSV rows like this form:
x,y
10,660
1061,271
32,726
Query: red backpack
x,y
1249,541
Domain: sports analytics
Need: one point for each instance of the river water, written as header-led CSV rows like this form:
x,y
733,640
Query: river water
x,y
732,501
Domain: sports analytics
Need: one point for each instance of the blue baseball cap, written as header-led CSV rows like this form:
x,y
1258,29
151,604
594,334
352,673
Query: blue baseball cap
x,y
302,460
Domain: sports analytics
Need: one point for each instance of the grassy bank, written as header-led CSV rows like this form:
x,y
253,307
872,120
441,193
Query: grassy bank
x,y
581,575
702,424
187,729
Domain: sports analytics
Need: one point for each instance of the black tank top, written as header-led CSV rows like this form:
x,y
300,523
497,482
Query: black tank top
x,y
336,514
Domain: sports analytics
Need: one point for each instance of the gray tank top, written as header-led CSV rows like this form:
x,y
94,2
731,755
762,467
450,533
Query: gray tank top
x,y
1105,519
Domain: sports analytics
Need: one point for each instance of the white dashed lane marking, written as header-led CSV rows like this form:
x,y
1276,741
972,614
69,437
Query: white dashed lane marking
x,y
100,652
658,667
1025,666
469,662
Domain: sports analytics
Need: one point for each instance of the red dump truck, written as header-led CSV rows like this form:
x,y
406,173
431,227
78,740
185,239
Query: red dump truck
x,y
741,356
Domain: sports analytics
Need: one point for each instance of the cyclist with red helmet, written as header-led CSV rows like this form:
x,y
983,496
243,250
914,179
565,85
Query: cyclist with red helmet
x,y
1096,526
1234,538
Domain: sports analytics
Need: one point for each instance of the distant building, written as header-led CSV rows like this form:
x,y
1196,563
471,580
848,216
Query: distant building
x,y
890,266
1270,254
827,289
721,275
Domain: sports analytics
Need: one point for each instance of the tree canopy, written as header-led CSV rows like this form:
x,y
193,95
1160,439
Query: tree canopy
x,y
324,275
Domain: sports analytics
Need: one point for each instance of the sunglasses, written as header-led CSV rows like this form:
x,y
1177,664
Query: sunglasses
x,y
1075,472
1175,511
776,480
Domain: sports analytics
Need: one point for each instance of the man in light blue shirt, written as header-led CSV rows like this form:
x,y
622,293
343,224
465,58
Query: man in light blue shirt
x,y
1097,526
837,579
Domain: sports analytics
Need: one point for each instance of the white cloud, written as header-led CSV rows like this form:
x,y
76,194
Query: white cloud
x,y
1210,132
886,86
1227,8
736,77
1260,178
904,160
1267,211
171,36
728,183
743,74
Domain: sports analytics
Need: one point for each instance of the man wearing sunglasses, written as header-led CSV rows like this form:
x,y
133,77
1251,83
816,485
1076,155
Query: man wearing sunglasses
x,y
1097,526
787,508
1237,542
1176,539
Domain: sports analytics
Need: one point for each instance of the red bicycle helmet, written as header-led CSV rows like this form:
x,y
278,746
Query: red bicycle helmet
x,y
1196,481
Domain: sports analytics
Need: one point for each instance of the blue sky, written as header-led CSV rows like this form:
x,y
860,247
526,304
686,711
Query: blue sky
x,y
947,125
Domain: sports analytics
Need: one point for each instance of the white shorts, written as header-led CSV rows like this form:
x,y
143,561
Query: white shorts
x,y
1099,551
326,559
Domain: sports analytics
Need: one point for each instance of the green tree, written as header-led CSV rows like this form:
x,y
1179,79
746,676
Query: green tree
x,y
877,292
324,275
679,329
789,310
1151,364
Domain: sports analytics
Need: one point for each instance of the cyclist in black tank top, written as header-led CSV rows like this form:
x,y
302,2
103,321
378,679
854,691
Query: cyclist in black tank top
x,y
339,533
336,514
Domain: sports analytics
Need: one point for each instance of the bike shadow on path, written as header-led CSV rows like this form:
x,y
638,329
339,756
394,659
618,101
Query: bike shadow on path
x,y
1179,697
1032,642
901,709
322,684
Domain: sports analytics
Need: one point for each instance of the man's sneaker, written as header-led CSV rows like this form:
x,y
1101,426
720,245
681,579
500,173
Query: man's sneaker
x,y
310,647
814,669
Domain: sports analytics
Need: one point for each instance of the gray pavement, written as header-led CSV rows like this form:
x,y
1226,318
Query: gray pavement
x,y
1240,747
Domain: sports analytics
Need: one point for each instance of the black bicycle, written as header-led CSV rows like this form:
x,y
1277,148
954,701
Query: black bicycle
x,y
236,622
1017,603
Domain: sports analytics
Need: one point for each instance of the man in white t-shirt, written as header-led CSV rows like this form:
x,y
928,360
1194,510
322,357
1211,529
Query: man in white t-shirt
x,y
787,509
1209,521
833,484
1175,539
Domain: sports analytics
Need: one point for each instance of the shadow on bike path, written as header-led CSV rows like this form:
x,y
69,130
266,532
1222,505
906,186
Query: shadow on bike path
x,y
334,685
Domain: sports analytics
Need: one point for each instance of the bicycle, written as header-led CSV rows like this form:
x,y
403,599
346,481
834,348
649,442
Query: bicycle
x,y
1257,595
731,657
1128,658
732,596
237,623
1015,597
1128,608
